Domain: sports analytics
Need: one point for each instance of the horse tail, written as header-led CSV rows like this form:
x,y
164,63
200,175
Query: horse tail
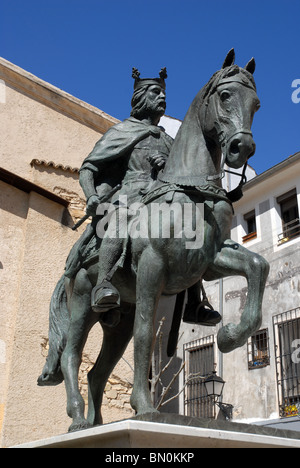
x,y
59,320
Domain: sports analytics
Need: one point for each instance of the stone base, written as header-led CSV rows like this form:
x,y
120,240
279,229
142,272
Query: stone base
x,y
172,431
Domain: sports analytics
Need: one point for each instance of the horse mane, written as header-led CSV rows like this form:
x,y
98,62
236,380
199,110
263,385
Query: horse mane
x,y
177,168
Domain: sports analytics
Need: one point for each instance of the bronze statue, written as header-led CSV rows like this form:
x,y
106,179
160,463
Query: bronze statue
x,y
127,286
140,149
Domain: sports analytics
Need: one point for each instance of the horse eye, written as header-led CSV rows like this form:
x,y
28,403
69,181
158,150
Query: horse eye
x,y
225,95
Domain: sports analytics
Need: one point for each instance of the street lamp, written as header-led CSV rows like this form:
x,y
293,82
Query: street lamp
x,y
214,388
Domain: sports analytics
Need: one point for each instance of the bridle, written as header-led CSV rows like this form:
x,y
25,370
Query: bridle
x,y
224,139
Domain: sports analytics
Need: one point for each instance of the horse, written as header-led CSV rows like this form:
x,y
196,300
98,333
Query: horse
x,y
216,130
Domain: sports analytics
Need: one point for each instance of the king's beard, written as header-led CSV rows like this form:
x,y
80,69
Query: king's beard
x,y
154,109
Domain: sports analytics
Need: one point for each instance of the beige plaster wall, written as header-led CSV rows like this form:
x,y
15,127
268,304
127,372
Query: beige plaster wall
x,y
34,243
31,130
13,213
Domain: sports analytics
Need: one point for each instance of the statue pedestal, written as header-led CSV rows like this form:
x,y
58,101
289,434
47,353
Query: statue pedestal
x,y
171,431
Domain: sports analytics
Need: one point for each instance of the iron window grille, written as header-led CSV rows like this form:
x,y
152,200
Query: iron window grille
x,y
287,358
291,230
199,357
258,350
290,216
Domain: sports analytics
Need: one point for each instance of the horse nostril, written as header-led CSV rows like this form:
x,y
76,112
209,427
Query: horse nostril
x,y
235,146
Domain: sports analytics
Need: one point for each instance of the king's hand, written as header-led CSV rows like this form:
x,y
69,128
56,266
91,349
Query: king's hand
x,y
92,205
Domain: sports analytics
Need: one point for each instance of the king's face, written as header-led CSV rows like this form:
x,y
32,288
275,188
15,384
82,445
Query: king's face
x,y
156,99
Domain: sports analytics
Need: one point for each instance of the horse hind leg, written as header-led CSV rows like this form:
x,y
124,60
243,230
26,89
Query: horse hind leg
x,y
115,341
81,321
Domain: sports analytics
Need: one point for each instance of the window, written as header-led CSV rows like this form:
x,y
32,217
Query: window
x,y
287,356
250,224
199,358
258,350
289,216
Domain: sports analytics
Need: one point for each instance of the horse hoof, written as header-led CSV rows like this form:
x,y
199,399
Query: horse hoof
x,y
227,341
142,406
79,426
147,411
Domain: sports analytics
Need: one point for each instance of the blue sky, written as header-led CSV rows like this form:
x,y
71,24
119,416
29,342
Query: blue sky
x,y
89,47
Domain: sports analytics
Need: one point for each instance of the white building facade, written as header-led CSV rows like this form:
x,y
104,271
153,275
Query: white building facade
x,y
263,377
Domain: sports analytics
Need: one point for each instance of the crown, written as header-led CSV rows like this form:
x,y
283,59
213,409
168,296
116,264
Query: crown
x,y
140,82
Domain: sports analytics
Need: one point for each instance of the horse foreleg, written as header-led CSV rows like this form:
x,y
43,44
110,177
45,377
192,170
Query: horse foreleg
x,y
149,288
233,260
81,321
115,341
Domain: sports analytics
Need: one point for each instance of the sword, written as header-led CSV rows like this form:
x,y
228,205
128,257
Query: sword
x,y
103,200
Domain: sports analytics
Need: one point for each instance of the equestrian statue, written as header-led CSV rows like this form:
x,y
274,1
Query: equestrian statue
x,y
128,256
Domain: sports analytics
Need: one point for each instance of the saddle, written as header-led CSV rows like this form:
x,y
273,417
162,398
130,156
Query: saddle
x,y
208,192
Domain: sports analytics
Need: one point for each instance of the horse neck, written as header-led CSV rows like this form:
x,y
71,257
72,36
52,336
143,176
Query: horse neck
x,y
192,159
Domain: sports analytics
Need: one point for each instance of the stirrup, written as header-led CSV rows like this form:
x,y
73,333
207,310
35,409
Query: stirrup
x,y
201,313
104,297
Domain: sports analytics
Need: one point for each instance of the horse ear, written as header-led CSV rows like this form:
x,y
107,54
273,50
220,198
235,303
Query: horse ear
x,y
230,57
250,67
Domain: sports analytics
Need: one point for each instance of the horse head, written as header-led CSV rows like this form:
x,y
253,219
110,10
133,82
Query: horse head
x,y
218,122
226,114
